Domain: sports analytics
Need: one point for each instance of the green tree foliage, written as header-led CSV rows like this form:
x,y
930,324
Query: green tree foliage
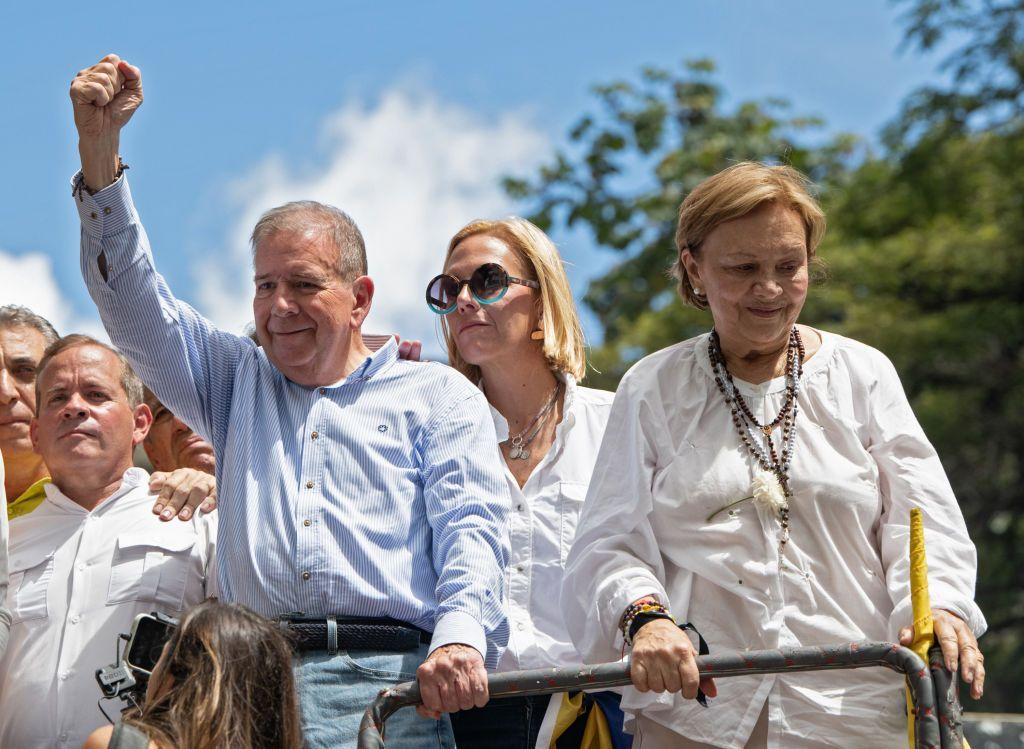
x,y
925,254
630,166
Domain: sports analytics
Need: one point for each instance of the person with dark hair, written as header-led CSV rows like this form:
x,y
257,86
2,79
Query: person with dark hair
x,y
356,490
223,681
92,555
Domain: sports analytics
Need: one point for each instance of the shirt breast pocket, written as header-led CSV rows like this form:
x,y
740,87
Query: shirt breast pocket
x,y
152,567
570,505
29,585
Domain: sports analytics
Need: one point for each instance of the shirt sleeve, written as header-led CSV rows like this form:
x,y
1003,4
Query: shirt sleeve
x,y
468,507
614,559
911,475
180,355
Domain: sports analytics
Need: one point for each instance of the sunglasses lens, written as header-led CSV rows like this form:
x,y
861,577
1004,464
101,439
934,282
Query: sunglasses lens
x,y
441,293
489,281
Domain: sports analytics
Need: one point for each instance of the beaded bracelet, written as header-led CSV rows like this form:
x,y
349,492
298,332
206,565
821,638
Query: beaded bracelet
x,y
641,607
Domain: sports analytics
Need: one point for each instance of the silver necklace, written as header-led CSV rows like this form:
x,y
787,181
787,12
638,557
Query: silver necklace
x,y
519,442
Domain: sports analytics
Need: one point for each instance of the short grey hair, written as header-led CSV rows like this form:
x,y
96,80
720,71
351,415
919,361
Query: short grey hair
x,y
14,315
302,216
130,382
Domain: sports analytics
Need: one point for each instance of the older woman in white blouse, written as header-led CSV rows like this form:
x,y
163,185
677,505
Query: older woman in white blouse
x,y
757,482
511,327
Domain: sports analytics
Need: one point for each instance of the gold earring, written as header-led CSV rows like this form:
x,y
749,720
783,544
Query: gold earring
x,y
537,335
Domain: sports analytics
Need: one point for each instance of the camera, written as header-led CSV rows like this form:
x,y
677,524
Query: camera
x,y
126,678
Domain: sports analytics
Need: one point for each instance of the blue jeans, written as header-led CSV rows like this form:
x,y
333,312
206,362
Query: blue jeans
x,y
509,722
334,691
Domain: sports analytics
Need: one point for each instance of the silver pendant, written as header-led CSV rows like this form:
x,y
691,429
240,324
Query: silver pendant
x,y
518,453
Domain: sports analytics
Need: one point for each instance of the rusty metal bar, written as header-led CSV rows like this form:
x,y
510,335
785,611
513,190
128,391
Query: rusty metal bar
x,y
722,665
947,698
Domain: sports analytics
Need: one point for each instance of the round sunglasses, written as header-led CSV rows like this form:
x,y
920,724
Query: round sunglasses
x,y
488,284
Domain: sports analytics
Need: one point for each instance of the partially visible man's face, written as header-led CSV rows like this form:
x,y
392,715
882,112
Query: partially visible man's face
x,y
21,348
171,444
84,420
304,312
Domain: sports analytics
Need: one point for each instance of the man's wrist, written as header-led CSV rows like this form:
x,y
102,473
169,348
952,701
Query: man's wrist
x,y
100,162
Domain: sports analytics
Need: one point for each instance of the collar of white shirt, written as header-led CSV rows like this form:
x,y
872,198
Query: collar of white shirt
x,y
131,479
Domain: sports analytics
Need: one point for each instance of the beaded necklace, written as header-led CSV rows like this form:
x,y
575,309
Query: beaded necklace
x,y
749,428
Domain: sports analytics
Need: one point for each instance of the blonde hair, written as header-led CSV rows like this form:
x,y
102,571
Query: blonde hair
x,y
563,334
733,193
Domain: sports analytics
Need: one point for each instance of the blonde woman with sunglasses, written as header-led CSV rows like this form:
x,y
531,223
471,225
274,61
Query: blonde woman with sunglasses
x,y
510,325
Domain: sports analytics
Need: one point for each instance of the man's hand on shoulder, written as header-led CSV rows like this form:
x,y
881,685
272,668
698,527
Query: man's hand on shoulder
x,y
452,678
104,97
181,492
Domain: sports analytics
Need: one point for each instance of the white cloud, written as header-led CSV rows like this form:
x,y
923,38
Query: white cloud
x,y
411,170
28,280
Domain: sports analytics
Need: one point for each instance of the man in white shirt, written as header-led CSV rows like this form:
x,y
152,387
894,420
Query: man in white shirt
x,y
92,555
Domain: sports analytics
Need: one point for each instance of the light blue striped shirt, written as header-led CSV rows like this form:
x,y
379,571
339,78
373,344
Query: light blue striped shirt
x,y
382,495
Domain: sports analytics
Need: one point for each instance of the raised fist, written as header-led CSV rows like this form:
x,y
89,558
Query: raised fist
x,y
104,98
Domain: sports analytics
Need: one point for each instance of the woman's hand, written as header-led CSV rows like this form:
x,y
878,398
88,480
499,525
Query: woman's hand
x,y
663,660
959,648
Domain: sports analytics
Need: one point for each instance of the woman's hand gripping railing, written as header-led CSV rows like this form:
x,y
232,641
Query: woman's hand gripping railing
x,y
786,660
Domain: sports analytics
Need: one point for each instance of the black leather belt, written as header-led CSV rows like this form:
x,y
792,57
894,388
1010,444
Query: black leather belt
x,y
336,633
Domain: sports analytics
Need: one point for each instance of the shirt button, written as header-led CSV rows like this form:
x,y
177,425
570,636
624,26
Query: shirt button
x,y
76,619
307,522
106,211
306,575
520,626
92,214
519,568
64,675
519,508
314,435
309,484
81,566
64,736
323,390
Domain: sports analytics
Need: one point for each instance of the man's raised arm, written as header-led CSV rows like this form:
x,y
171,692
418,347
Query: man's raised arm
x,y
187,362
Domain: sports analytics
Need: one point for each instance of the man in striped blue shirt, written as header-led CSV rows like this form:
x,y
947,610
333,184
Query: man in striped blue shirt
x,y
350,484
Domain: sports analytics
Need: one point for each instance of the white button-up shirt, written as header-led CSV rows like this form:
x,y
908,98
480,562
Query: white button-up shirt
x,y
672,458
545,512
78,579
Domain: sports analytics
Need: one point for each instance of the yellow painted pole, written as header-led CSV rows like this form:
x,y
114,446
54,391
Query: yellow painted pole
x,y
924,627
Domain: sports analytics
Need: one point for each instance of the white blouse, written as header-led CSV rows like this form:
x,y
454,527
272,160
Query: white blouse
x,y
672,457
545,512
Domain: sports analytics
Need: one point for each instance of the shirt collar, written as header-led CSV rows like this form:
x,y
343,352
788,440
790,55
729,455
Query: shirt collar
x,y
379,360
376,362
132,479
35,491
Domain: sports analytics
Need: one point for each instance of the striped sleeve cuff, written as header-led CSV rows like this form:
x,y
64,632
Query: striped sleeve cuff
x,y
458,627
108,211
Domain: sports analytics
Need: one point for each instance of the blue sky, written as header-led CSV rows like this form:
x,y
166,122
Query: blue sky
x,y
404,114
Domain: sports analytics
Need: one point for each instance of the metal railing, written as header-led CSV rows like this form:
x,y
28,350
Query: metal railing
x,y
938,723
